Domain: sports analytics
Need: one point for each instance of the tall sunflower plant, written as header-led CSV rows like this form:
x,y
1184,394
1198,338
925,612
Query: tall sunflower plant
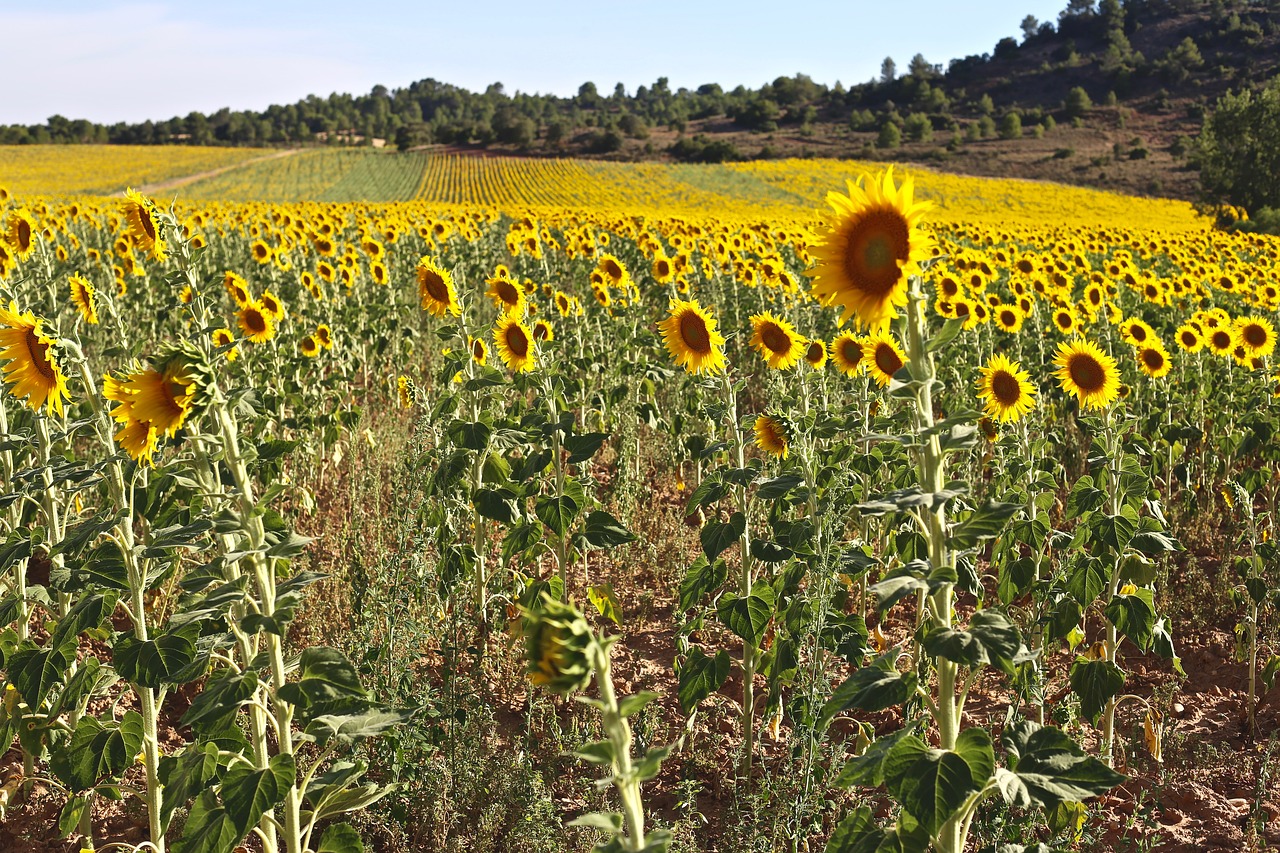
x,y
937,769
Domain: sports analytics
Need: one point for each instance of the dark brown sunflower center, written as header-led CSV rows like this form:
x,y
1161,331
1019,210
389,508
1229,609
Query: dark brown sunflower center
x,y
1153,358
1137,333
612,270
24,235
541,331
433,284
887,360
878,246
775,339
255,321
39,351
1221,340
517,341
507,292
663,269
1005,388
814,352
1188,339
149,228
850,351
1087,373
694,333
1254,335
1008,318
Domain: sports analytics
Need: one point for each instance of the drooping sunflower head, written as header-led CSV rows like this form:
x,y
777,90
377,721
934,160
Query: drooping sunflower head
x,y
435,289
143,219
542,331
20,231
873,245
689,332
515,343
847,353
1005,389
883,357
776,341
1153,360
324,335
406,391
1257,335
556,643
84,297
508,297
773,435
1087,373
257,324
32,369
479,350
815,353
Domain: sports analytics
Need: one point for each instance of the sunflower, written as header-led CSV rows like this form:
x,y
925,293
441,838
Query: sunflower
x,y
1189,338
262,253
142,217
515,343
1154,360
435,288
1005,389
815,352
883,357
272,305
1087,373
224,338
663,270
31,370
507,296
309,346
776,341
407,392
846,352
1257,335
772,435
1064,319
479,350
237,289
1136,332
83,296
873,245
162,399
542,331
1008,318
614,270
564,304
139,439
1221,340
691,337
256,322
21,233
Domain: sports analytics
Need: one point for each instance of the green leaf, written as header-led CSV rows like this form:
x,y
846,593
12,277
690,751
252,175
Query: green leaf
x,y
867,769
1096,682
1134,616
209,829
931,784
991,638
856,833
1154,542
606,603
152,663
340,838
69,817
325,674
975,747
710,490
521,539
872,688
98,751
1087,581
778,487
496,504
351,718
557,513
472,436
716,536
950,329
222,696
1050,768
605,531
1015,579
35,671
704,578
747,616
249,793
185,775
633,704
609,822
986,522
583,447
700,676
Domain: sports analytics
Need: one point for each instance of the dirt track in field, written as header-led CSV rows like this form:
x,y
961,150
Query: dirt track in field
x,y
174,183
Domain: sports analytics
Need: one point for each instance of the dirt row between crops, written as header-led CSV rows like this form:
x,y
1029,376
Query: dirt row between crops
x,y
174,183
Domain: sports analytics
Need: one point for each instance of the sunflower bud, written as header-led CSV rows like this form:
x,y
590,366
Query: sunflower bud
x,y
556,643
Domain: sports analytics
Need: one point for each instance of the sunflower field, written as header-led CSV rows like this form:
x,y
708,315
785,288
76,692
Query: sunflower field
x,y
552,506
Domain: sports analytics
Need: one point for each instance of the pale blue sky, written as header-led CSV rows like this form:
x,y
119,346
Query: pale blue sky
x,y
108,60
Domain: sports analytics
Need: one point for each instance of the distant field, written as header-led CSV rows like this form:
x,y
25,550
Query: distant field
x,y
106,169
774,189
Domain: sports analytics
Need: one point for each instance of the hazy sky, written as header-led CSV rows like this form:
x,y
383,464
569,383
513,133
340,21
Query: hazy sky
x,y
127,61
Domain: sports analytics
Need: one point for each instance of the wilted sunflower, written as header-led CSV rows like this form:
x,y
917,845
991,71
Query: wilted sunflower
x,y
435,288
515,343
83,296
507,296
1005,389
223,338
773,435
1257,334
557,639
691,337
256,323
31,365
309,346
873,245
776,341
815,352
142,217
846,352
1189,338
883,357
21,233
1087,373
1154,360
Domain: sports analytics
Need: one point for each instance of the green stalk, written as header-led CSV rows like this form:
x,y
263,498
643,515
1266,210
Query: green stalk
x,y
619,732
750,654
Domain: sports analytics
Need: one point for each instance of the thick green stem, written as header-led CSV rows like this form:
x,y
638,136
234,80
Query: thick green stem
x,y
750,653
619,732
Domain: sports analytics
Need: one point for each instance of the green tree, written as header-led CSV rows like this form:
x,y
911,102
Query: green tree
x,y
890,136
1078,102
1011,126
1239,158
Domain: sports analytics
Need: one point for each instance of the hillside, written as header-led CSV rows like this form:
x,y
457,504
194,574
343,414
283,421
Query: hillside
x,y
1109,96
